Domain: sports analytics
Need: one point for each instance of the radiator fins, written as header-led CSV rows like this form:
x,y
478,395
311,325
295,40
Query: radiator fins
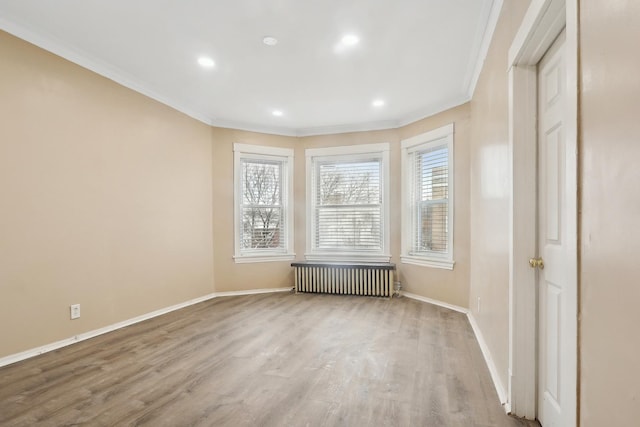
x,y
347,280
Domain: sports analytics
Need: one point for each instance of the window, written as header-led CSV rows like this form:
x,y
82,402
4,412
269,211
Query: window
x,y
427,195
347,208
263,211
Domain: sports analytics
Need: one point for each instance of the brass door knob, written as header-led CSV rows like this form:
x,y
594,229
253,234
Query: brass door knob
x,y
536,263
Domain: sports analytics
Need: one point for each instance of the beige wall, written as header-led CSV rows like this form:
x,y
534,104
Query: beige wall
x,y
229,275
610,236
490,181
105,201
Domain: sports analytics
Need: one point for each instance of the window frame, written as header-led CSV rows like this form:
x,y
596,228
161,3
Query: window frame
x,y
257,153
346,154
428,140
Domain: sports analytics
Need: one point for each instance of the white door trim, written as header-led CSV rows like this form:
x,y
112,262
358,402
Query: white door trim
x,y
542,23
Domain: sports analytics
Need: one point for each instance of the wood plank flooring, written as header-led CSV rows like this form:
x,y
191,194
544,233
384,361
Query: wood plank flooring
x,y
265,360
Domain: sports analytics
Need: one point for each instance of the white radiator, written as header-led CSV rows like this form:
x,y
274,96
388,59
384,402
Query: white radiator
x,y
372,279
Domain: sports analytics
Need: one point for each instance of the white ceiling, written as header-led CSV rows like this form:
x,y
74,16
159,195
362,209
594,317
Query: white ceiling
x,y
420,56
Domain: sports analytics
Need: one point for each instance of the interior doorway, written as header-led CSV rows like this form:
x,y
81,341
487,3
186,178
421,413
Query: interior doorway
x,y
538,356
555,294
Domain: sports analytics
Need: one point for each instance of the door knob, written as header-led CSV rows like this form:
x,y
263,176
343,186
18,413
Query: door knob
x,y
536,263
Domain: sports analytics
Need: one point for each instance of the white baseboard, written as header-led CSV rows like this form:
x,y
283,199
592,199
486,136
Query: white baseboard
x,y
13,358
435,302
502,395
252,292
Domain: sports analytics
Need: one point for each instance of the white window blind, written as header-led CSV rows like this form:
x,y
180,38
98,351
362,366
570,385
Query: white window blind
x,y
430,184
348,205
261,206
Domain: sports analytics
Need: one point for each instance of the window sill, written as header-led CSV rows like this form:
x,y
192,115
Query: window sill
x,y
428,262
350,258
246,259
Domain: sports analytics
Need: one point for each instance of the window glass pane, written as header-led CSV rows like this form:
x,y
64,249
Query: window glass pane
x,y
261,182
261,208
262,228
432,227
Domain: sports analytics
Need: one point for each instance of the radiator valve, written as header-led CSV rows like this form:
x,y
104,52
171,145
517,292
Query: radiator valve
x,y
397,289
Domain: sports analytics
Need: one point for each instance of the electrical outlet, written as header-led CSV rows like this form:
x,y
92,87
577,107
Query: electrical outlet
x,y
478,304
75,311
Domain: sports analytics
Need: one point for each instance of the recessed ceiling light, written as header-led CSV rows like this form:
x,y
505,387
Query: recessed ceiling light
x,y
350,40
378,102
277,113
346,43
270,41
206,62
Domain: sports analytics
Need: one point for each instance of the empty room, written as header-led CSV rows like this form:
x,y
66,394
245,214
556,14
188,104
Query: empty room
x,y
336,213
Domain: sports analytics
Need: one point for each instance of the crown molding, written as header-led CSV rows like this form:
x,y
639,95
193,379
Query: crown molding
x,y
433,110
487,36
348,128
250,127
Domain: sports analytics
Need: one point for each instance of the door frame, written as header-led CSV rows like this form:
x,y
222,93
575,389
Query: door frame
x,y
542,23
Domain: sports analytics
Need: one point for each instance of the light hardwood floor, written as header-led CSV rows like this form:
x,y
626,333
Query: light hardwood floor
x,y
265,360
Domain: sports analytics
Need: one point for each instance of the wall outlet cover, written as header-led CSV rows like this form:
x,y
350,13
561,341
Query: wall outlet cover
x,y
75,311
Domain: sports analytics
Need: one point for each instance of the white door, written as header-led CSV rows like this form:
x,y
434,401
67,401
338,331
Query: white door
x,y
556,340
